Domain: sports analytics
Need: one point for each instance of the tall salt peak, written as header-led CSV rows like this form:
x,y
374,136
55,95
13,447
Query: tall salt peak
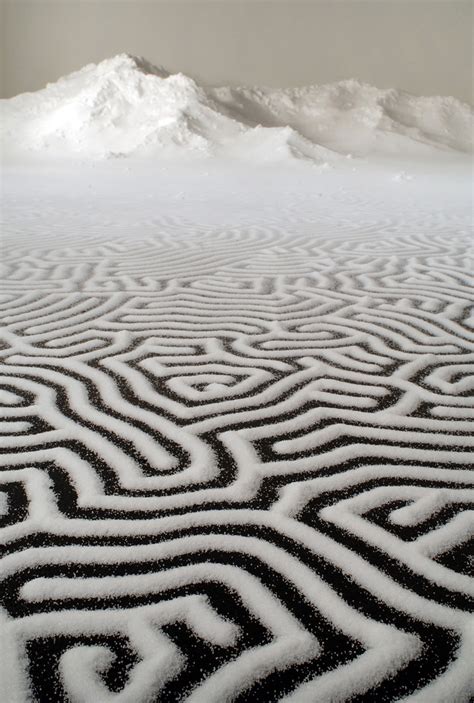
x,y
116,107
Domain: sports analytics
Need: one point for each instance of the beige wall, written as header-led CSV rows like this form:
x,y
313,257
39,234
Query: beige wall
x,y
423,46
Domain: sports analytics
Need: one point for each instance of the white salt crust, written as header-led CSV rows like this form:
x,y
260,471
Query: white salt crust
x,y
124,106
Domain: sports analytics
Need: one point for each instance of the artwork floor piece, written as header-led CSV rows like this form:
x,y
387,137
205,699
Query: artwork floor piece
x,y
236,435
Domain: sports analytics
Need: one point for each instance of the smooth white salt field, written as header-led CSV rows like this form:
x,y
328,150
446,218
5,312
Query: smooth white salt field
x,y
236,413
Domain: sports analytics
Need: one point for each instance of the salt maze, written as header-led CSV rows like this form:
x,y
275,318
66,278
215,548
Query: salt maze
x,y
236,461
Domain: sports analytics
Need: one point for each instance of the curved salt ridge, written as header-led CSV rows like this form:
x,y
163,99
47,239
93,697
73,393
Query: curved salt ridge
x,y
456,682
294,496
348,514
459,530
14,427
3,504
426,503
446,411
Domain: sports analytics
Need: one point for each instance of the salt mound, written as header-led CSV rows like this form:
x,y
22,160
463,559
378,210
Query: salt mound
x,y
350,116
125,105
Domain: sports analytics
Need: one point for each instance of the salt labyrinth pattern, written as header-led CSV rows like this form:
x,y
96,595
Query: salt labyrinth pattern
x,y
235,466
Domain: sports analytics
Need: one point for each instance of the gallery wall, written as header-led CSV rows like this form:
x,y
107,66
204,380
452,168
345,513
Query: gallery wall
x,y
423,46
